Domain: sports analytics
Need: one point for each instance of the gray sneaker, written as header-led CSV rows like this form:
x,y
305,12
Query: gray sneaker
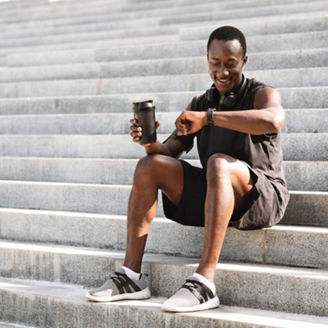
x,y
120,287
192,296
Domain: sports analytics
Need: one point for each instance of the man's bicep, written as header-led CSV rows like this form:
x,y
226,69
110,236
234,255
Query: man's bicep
x,y
267,98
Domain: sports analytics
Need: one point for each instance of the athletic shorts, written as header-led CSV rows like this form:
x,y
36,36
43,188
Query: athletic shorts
x,y
264,207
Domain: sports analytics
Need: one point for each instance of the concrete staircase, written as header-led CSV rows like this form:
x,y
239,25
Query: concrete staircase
x,y
69,73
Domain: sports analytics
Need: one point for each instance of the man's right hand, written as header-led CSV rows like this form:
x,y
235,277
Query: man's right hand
x,y
136,130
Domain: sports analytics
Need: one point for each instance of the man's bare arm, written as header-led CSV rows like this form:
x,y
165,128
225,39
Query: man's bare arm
x,y
172,147
267,117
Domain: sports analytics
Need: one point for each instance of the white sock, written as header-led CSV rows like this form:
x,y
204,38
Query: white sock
x,y
131,274
205,281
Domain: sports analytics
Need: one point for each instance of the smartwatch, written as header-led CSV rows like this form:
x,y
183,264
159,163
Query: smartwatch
x,y
209,115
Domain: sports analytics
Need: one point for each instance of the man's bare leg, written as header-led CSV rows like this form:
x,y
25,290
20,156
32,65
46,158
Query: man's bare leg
x,y
152,173
228,184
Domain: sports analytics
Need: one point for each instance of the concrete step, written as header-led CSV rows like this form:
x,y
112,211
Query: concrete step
x,y
311,21
65,304
97,43
297,121
298,77
301,98
58,9
215,15
281,244
12,325
55,29
176,66
296,146
168,13
87,36
24,58
113,199
285,23
51,226
274,287
150,47
300,175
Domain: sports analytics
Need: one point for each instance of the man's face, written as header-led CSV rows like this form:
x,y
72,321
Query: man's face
x,y
225,64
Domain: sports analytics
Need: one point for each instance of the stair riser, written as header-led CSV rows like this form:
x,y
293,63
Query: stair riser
x,y
49,312
256,61
308,77
149,47
296,147
274,246
252,12
101,41
297,121
299,175
238,288
98,12
289,23
277,24
285,41
113,200
315,97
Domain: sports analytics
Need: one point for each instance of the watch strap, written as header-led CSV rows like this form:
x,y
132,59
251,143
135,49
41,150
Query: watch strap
x,y
209,116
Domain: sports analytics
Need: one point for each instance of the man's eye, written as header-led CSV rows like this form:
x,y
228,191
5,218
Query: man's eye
x,y
231,65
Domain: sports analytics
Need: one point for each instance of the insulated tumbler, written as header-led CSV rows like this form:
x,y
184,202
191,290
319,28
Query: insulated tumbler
x,y
144,113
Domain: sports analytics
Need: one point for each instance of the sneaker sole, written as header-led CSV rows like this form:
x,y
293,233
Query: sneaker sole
x,y
143,294
211,304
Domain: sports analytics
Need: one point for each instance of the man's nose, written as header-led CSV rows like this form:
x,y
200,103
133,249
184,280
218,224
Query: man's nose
x,y
222,71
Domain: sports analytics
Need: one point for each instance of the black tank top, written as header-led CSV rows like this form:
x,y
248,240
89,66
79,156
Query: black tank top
x,y
261,152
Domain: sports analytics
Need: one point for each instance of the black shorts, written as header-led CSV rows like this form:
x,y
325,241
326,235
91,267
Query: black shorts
x,y
264,207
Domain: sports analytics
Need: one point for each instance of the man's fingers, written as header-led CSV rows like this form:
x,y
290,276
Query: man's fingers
x,y
135,134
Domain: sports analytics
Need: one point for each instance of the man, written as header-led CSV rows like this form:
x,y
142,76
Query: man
x,y
241,182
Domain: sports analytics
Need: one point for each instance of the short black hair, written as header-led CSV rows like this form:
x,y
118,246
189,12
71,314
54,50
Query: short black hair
x,y
227,33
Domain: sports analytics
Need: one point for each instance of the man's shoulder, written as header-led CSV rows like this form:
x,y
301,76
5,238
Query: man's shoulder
x,y
199,102
255,84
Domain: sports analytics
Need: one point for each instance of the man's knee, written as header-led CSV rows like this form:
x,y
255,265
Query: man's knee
x,y
219,166
148,166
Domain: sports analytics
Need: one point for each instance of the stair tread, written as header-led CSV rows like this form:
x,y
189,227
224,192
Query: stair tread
x,y
232,316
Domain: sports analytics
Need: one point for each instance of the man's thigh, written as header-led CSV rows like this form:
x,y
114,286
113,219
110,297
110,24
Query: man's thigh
x,y
239,173
166,172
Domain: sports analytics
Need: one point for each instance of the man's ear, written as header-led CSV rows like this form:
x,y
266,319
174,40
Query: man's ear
x,y
245,60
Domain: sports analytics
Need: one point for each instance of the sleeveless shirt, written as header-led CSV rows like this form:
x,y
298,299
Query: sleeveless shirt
x,y
262,152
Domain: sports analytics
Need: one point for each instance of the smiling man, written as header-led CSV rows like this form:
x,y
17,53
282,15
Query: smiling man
x,y
241,183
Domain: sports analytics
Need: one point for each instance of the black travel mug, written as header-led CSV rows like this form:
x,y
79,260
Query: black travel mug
x,y
144,113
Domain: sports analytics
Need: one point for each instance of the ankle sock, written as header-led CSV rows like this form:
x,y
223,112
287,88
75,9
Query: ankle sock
x,y
205,281
131,274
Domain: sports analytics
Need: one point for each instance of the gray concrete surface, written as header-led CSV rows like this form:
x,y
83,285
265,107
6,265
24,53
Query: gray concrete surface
x,y
112,199
188,65
298,77
295,146
300,175
90,60
308,120
298,98
65,305
238,284
283,245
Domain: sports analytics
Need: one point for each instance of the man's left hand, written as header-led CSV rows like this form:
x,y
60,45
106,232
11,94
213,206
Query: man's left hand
x,y
190,122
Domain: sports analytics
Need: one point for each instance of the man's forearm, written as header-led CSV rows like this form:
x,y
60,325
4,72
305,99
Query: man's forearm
x,y
157,148
250,121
